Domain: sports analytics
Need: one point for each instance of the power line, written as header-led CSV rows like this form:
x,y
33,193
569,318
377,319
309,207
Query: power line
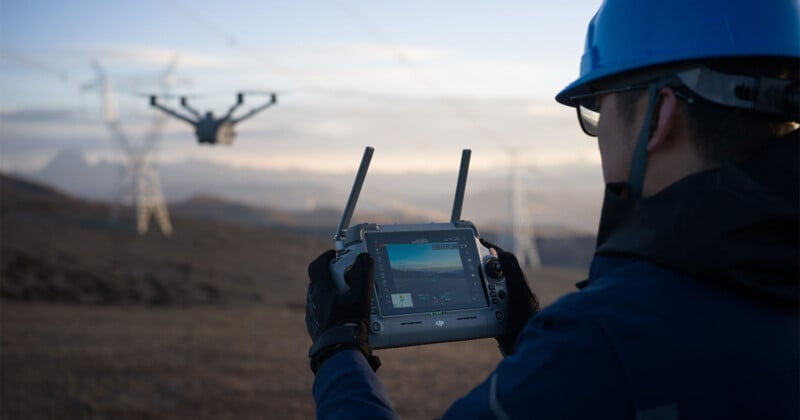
x,y
452,104
28,62
208,25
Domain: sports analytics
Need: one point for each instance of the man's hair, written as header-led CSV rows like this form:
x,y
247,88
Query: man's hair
x,y
722,132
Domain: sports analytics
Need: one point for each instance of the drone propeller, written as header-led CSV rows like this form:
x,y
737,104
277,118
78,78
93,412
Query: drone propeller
x,y
238,94
170,95
265,92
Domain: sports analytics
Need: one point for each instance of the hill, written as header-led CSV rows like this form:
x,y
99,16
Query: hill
x,y
59,248
98,322
557,247
56,247
564,198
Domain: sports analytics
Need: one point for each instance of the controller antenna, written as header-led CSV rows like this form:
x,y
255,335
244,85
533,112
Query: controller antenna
x,y
461,186
351,201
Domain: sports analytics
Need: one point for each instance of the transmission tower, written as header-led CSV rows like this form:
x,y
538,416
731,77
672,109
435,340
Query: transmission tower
x,y
524,241
139,183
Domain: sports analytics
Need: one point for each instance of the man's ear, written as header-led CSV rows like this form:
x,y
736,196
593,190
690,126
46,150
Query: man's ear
x,y
665,118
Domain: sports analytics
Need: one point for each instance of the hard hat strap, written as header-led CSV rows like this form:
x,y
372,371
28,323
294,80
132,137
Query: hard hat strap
x,y
639,160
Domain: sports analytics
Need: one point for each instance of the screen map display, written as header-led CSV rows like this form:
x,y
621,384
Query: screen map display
x,y
426,271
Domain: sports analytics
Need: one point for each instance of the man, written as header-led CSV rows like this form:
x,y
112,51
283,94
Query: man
x,y
692,303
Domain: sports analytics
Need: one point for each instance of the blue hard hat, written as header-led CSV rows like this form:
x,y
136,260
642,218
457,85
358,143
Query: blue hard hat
x,y
626,35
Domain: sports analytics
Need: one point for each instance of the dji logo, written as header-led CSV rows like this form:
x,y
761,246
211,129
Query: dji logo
x,y
439,323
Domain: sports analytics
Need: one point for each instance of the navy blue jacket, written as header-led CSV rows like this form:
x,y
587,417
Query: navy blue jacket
x,y
690,312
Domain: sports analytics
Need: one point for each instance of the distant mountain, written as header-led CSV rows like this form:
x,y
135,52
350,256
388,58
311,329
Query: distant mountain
x,y
207,207
291,190
557,247
69,171
553,205
56,247
319,222
20,198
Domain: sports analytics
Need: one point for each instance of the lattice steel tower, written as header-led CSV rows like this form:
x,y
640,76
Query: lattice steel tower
x,y
523,238
139,183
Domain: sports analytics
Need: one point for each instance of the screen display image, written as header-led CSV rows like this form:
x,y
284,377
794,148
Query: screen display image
x,y
415,277
432,273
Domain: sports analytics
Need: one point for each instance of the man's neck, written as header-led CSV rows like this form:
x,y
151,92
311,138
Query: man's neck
x,y
668,166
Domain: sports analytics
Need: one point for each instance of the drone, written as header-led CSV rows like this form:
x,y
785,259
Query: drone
x,y
207,128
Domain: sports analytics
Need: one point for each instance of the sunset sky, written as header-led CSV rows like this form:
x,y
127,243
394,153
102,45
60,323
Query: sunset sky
x,y
418,80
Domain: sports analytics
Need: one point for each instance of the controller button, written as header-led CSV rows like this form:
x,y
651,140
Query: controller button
x,y
491,287
499,315
501,294
492,294
376,327
493,268
495,301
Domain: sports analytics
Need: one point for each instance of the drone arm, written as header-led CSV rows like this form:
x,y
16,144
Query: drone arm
x,y
254,111
239,102
191,110
154,103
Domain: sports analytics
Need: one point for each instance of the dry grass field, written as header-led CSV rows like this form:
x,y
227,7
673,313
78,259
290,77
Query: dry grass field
x,y
98,323
70,361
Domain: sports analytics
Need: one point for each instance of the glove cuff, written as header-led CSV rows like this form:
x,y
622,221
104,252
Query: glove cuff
x,y
341,337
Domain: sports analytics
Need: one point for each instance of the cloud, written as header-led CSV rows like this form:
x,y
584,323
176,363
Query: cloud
x,y
375,51
329,134
408,134
414,70
149,55
38,115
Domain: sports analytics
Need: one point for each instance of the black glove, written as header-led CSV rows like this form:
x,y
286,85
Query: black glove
x,y
339,321
522,302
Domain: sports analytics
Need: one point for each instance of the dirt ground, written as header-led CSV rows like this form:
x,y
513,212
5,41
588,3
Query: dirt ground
x,y
84,362
70,361
99,323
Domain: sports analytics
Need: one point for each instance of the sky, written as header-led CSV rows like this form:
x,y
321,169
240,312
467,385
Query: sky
x,y
423,256
418,80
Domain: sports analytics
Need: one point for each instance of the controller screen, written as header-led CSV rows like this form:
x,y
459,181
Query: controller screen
x,y
417,272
